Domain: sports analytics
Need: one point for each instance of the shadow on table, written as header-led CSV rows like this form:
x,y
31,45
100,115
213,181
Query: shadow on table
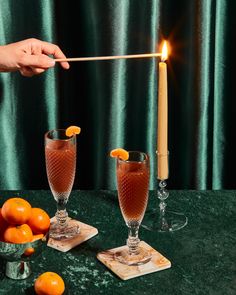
x,y
87,249
30,291
2,268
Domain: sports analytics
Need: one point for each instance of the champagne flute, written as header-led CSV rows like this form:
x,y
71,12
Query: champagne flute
x,y
60,154
133,186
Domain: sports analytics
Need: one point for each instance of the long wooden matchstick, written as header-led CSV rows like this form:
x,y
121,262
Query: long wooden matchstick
x,y
108,57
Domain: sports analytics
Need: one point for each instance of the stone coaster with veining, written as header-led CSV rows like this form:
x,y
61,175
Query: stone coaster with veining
x,y
126,272
64,245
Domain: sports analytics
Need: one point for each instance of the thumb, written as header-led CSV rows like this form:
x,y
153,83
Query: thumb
x,y
37,61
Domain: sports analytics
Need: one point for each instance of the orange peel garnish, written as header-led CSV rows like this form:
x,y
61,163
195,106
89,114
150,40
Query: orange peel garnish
x,y
120,153
70,131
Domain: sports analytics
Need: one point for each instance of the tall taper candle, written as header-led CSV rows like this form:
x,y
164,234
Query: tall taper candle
x,y
162,128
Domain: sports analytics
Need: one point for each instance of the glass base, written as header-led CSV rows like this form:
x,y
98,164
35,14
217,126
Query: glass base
x,y
57,232
18,270
171,221
142,257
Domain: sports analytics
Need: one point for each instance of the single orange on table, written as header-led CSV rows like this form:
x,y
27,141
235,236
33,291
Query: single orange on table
x,y
49,283
120,153
70,131
18,234
39,221
16,211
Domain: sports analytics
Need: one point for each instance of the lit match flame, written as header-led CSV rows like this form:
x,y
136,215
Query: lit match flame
x,y
164,54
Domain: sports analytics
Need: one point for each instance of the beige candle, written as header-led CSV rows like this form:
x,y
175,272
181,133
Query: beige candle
x,y
162,128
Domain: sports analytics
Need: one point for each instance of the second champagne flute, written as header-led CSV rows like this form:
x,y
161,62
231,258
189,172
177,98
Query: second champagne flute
x,y
133,187
60,154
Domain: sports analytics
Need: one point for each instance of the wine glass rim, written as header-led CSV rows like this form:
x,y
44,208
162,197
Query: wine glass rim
x,y
146,157
58,129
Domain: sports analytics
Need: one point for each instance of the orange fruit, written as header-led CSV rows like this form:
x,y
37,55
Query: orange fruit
x,y
121,153
49,283
3,223
37,237
29,251
39,221
16,211
72,130
18,234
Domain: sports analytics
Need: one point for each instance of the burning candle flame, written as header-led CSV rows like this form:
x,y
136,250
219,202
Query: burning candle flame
x,y
164,54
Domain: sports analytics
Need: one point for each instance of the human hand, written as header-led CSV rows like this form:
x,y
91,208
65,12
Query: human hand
x,y
30,57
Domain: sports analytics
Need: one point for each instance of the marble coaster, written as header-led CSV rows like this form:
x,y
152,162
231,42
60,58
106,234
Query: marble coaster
x,y
64,245
125,272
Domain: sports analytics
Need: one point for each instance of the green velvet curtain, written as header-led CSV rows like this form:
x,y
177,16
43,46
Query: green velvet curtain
x,y
115,102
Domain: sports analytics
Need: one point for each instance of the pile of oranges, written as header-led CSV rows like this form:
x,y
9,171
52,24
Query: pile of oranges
x,y
20,223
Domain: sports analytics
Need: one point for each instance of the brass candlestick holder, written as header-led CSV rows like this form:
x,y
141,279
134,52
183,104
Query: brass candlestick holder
x,y
160,219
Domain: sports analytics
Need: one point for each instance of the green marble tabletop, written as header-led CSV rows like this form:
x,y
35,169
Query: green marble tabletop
x,y
203,254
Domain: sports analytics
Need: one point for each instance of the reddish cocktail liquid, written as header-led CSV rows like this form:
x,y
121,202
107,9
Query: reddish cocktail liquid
x,y
60,165
133,183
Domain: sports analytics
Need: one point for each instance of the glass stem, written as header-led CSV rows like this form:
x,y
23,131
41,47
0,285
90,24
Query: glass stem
x,y
133,240
61,214
162,206
163,194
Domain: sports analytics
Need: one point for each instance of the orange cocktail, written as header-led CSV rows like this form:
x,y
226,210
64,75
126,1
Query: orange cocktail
x,y
60,154
133,173
60,165
132,181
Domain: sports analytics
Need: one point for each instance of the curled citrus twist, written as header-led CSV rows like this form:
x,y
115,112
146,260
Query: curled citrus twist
x,y
120,153
70,131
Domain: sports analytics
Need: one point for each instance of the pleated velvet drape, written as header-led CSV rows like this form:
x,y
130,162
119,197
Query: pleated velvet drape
x,y
115,102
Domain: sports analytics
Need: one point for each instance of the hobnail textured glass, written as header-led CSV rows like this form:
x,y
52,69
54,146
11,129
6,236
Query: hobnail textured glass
x,y
60,153
61,171
133,196
133,183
